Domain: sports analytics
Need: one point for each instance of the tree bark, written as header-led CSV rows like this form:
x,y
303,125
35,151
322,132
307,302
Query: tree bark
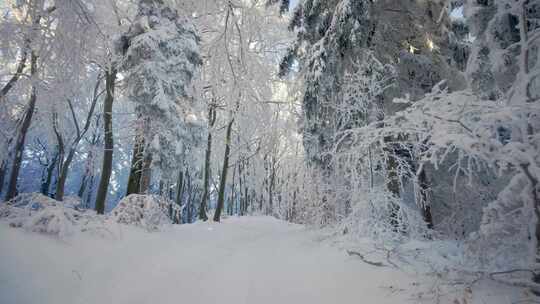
x,y
62,177
241,188
89,192
21,138
179,194
223,180
2,175
146,173
134,181
189,197
82,187
46,181
424,193
271,185
110,78
393,185
208,154
231,197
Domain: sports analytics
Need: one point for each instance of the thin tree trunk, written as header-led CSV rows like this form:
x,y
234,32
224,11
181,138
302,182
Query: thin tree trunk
x,y
179,193
246,187
223,180
393,186
88,181
87,172
231,197
162,187
189,198
46,182
21,138
103,188
240,188
82,187
207,157
271,186
204,199
293,209
89,192
2,175
62,177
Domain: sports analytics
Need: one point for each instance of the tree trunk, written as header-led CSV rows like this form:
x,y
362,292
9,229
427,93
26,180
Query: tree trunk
x,y
204,200
89,192
103,188
46,181
189,198
19,145
87,173
240,188
424,193
146,174
82,187
393,186
2,175
231,197
223,180
62,177
179,194
134,181
271,186
208,154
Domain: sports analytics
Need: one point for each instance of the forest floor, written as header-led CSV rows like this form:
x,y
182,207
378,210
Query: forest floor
x,y
252,260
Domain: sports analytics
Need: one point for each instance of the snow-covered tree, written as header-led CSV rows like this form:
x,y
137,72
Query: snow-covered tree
x,y
160,62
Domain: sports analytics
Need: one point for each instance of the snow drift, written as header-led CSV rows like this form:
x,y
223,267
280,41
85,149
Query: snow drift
x,y
146,211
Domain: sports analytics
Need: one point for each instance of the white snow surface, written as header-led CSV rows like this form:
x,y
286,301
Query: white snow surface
x,y
241,260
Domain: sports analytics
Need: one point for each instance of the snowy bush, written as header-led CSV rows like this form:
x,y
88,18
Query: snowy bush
x,y
503,228
147,211
23,206
369,218
32,201
38,213
57,220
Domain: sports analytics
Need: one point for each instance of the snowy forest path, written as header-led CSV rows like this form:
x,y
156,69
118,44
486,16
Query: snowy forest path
x,y
242,260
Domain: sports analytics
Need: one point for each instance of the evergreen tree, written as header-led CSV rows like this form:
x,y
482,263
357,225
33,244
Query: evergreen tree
x,y
161,60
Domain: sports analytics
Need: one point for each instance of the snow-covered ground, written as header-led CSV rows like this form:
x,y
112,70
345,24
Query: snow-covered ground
x,y
242,260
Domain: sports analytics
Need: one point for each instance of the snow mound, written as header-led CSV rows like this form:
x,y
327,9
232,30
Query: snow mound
x,y
146,211
53,220
38,213
23,206
32,201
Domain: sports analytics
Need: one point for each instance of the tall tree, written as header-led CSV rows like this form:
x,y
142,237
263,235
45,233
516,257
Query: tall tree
x,y
384,42
207,158
161,60
106,169
21,137
224,172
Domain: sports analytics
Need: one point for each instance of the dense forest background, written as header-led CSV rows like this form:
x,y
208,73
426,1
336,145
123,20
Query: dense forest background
x,y
393,120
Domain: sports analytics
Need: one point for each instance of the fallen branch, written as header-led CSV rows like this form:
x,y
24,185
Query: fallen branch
x,y
358,254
